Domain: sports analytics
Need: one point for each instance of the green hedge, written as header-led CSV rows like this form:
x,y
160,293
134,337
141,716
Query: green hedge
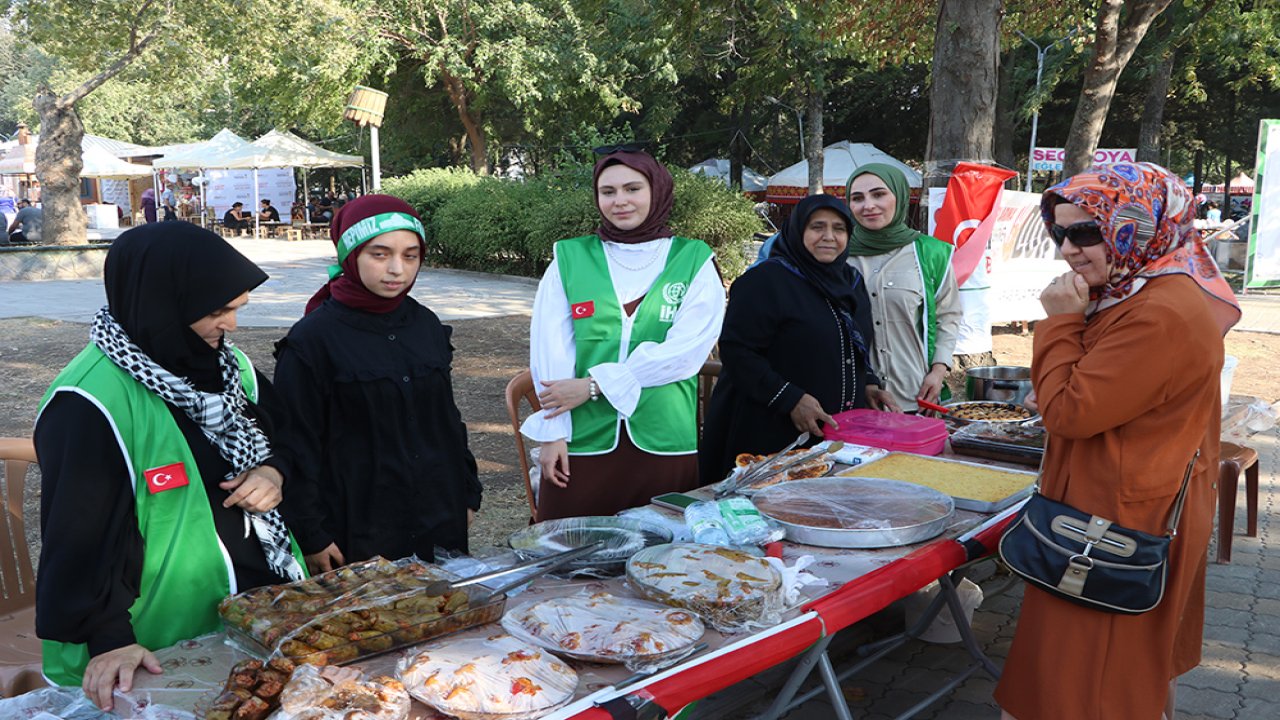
x,y
507,226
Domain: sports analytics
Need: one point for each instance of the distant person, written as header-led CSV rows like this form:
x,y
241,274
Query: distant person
x,y
169,201
236,218
1214,214
148,202
268,213
8,206
325,207
27,225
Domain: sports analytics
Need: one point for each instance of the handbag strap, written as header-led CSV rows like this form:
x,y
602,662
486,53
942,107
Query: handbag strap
x,y
1181,500
1175,514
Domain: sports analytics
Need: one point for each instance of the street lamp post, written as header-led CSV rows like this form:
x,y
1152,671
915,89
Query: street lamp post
x,y
366,106
799,119
1035,116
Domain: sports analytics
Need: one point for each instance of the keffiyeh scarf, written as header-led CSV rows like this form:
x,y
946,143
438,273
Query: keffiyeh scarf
x,y
220,416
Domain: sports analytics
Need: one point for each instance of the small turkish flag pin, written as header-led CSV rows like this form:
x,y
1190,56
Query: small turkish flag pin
x,y
166,477
583,309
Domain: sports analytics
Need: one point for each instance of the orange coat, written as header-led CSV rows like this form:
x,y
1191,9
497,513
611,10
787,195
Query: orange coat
x,y
1127,398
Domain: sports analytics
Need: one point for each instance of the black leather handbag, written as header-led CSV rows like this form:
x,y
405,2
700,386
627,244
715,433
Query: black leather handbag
x,y
1090,560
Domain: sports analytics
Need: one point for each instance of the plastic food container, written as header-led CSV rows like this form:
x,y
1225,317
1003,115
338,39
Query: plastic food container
x,y
353,612
891,431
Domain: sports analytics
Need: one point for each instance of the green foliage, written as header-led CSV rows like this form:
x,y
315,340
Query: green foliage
x,y
430,190
507,226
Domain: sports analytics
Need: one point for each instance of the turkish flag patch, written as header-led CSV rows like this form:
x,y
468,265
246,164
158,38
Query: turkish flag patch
x,y
166,477
583,309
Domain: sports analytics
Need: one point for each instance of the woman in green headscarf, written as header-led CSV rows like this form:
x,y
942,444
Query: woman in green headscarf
x,y
914,302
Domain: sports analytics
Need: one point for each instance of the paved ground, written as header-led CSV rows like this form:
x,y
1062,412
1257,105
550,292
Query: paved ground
x,y
1240,677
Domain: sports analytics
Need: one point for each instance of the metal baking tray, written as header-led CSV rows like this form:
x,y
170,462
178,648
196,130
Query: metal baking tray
x,y
992,450
622,538
955,421
854,500
962,503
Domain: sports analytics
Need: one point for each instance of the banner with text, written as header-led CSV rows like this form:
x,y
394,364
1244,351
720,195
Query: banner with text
x,y
1050,159
229,186
1263,267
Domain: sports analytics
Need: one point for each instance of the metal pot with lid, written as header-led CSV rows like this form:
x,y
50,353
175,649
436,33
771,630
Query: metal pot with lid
x,y
1002,383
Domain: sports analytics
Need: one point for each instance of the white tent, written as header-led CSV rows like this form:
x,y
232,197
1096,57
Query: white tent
x,y
206,154
839,161
752,181
98,163
284,149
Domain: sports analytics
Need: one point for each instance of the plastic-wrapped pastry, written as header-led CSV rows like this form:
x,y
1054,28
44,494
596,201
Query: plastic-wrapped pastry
x,y
605,628
355,611
252,690
490,678
731,590
321,694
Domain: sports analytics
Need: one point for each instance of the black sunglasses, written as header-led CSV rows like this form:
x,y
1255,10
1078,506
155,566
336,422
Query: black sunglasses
x,y
1081,234
624,147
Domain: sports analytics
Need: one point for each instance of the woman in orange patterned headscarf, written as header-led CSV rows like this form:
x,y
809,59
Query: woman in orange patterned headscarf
x,y
1126,375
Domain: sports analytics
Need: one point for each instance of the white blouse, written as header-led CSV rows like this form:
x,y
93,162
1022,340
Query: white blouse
x,y
633,268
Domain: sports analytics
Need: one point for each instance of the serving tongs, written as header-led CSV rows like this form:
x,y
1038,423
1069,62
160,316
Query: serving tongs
x,y
549,563
754,470
738,483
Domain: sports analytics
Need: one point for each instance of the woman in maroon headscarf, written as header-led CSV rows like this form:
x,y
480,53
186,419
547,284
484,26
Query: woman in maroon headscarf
x,y
383,465
622,323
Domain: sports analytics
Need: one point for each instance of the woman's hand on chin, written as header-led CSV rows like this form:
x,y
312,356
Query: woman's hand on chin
x,y
1065,294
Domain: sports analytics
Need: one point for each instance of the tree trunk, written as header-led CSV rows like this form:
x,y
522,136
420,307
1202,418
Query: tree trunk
x,y
1113,46
58,166
1153,109
476,136
966,64
1004,152
817,95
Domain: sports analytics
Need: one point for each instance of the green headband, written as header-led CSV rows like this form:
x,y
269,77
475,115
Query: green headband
x,y
373,226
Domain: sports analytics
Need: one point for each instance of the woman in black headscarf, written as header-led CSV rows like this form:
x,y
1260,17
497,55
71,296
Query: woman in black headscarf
x,y
159,479
794,343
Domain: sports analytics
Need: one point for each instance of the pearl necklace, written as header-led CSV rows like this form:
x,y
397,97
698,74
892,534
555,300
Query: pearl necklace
x,y
653,257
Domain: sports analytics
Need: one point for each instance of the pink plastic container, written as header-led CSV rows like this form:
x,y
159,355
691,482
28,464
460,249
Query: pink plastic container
x,y
891,431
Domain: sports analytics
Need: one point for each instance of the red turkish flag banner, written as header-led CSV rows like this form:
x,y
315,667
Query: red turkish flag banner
x,y
582,310
166,477
968,214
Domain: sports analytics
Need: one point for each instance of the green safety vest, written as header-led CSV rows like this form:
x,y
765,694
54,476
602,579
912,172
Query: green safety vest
x,y
934,257
665,421
186,571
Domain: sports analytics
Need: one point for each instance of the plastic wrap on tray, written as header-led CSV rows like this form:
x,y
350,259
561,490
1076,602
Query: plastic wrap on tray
x,y
355,611
622,538
601,627
729,589
322,694
855,505
488,678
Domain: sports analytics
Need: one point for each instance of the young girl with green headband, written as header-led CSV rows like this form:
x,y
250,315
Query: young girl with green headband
x,y
384,467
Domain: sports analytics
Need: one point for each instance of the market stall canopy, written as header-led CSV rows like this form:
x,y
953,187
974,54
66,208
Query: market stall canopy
x,y
752,181
839,162
206,154
98,163
284,149
19,160
1242,184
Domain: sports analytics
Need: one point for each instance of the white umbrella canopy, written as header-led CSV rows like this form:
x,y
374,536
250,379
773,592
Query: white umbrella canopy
x,y
752,181
284,149
205,154
839,161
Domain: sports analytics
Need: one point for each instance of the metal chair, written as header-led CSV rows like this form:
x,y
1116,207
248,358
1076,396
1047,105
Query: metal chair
x,y
521,388
1233,460
19,647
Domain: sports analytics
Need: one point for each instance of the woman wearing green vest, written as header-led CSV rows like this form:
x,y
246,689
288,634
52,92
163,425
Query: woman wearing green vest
x,y
914,302
622,322
159,481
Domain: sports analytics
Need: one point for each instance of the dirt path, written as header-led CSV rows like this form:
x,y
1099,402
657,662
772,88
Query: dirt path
x,y
489,353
